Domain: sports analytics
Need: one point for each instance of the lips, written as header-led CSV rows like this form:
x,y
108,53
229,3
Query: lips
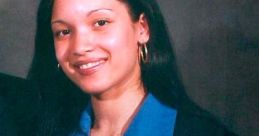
x,y
89,67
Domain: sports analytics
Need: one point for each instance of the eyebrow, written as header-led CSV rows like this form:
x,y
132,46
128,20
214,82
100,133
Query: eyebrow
x,y
88,14
97,10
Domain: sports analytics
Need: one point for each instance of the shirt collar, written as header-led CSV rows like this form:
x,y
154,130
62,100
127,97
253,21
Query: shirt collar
x,y
152,118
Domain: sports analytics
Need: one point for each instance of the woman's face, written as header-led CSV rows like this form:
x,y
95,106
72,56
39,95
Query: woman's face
x,y
96,43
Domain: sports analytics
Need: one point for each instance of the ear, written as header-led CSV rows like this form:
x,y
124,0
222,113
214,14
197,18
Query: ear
x,y
143,29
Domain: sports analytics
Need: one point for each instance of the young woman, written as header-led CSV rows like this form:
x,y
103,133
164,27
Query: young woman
x,y
119,57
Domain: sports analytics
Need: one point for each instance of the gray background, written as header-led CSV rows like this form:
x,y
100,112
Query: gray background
x,y
216,43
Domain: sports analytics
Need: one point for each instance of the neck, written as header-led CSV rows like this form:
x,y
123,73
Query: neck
x,y
113,114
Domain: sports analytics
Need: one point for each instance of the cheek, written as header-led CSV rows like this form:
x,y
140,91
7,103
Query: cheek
x,y
60,51
120,41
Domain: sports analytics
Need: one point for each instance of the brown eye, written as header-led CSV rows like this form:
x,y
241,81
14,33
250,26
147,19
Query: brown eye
x,y
62,33
101,23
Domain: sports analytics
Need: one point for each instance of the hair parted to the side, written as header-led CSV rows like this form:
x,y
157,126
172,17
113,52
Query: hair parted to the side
x,y
159,75
61,101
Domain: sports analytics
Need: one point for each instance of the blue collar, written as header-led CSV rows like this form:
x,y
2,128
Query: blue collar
x,y
152,119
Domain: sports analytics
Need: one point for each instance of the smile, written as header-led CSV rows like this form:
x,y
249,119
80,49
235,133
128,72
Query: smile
x,y
90,67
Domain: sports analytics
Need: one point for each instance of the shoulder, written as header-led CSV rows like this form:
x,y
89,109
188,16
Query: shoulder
x,y
194,121
7,126
18,105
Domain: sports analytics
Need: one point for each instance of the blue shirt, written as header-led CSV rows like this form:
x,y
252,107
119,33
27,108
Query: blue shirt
x,y
152,119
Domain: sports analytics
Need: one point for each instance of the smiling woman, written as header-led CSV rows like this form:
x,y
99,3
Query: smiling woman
x,y
122,74
90,46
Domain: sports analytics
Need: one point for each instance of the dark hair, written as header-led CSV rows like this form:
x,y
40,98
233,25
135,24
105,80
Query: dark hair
x,y
160,75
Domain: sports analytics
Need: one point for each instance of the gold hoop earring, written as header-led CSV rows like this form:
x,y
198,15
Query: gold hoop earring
x,y
144,53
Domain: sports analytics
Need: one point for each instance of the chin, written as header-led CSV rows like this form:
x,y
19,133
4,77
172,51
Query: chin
x,y
91,89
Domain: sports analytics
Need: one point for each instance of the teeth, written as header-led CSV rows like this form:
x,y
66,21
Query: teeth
x,y
89,65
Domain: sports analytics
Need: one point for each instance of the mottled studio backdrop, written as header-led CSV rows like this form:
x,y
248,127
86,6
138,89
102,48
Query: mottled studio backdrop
x,y
216,42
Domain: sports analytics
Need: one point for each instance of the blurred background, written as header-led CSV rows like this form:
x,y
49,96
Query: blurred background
x,y
216,44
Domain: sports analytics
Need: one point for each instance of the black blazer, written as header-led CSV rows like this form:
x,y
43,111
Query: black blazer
x,y
5,120
197,122
191,121
20,113
19,104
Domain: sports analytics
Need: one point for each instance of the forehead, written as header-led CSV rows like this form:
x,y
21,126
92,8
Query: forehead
x,y
85,5
66,8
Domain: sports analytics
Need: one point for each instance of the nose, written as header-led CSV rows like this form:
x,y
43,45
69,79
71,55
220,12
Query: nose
x,y
82,43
